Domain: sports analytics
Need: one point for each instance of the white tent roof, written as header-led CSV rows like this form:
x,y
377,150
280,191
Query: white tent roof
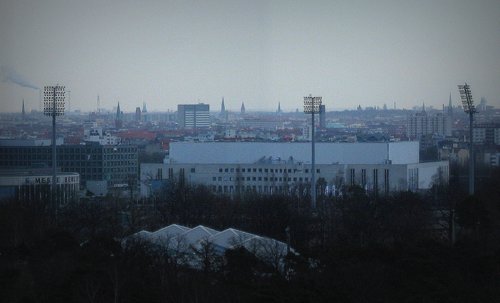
x,y
230,238
198,233
182,237
168,233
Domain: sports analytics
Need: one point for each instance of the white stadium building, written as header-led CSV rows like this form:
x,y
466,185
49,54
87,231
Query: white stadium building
x,y
236,167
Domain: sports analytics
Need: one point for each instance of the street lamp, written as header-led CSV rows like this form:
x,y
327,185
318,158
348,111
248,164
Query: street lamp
x,y
469,108
53,106
312,106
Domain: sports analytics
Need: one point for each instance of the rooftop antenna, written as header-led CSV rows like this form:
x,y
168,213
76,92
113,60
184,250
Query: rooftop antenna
x,y
98,104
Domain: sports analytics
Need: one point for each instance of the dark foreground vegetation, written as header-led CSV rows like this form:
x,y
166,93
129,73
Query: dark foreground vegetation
x,y
354,248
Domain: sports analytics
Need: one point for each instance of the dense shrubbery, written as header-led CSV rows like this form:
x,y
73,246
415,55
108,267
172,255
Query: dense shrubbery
x,y
354,248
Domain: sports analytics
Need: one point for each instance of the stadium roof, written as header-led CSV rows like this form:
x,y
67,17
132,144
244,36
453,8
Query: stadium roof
x,y
326,153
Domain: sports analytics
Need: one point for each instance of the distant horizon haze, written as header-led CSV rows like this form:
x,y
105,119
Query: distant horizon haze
x,y
258,52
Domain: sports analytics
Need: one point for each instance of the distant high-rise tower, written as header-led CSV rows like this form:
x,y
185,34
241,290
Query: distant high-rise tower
x,y
193,115
450,107
242,108
482,104
137,114
118,118
322,114
144,115
421,123
98,104
23,111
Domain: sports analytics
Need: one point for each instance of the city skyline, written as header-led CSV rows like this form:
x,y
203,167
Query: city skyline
x,y
259,53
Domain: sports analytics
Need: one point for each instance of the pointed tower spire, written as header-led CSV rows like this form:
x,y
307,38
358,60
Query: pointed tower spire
x,y
144,110
118,118
423,107
242,108
222,107
279,107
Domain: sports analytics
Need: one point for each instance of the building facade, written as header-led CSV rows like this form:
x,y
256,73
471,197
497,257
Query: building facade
x,y
421,124
268,168
116,164
487,134
193,115
36,185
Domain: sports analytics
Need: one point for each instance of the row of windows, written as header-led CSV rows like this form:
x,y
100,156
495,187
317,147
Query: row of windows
x,y
78,164
120,169
248,188
265,179
82,170
265,170
121,150
128,153
49,157
120,163
120,156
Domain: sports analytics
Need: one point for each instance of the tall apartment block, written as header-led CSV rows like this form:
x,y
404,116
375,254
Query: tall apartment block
x,y
420,124
193,116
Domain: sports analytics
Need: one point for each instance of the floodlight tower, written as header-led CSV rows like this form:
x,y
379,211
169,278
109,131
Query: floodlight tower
x,y
469,108
53,105
312,106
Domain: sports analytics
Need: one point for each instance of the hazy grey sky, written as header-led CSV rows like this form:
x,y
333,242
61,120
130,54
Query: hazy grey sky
x,y
260,52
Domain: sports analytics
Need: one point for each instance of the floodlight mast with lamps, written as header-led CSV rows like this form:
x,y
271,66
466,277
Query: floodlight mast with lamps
x,y
53,106
469,108
312,106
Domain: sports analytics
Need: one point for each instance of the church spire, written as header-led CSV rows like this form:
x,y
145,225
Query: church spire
x,y
23,111
118,118
118,112
242,108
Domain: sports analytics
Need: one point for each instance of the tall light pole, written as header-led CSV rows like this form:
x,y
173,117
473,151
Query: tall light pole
x,y
312,106
53,106
469,108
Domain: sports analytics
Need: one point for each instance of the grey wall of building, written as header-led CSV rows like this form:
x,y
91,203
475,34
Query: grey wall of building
x,y
114,164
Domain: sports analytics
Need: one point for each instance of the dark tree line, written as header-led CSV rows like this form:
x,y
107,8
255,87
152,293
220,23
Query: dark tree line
x,y
353,248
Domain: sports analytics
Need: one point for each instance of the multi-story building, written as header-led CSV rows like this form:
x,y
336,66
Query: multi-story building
x,y
420,124
116,164
94,133
322,116
487,134
193,115
35,185
286,168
